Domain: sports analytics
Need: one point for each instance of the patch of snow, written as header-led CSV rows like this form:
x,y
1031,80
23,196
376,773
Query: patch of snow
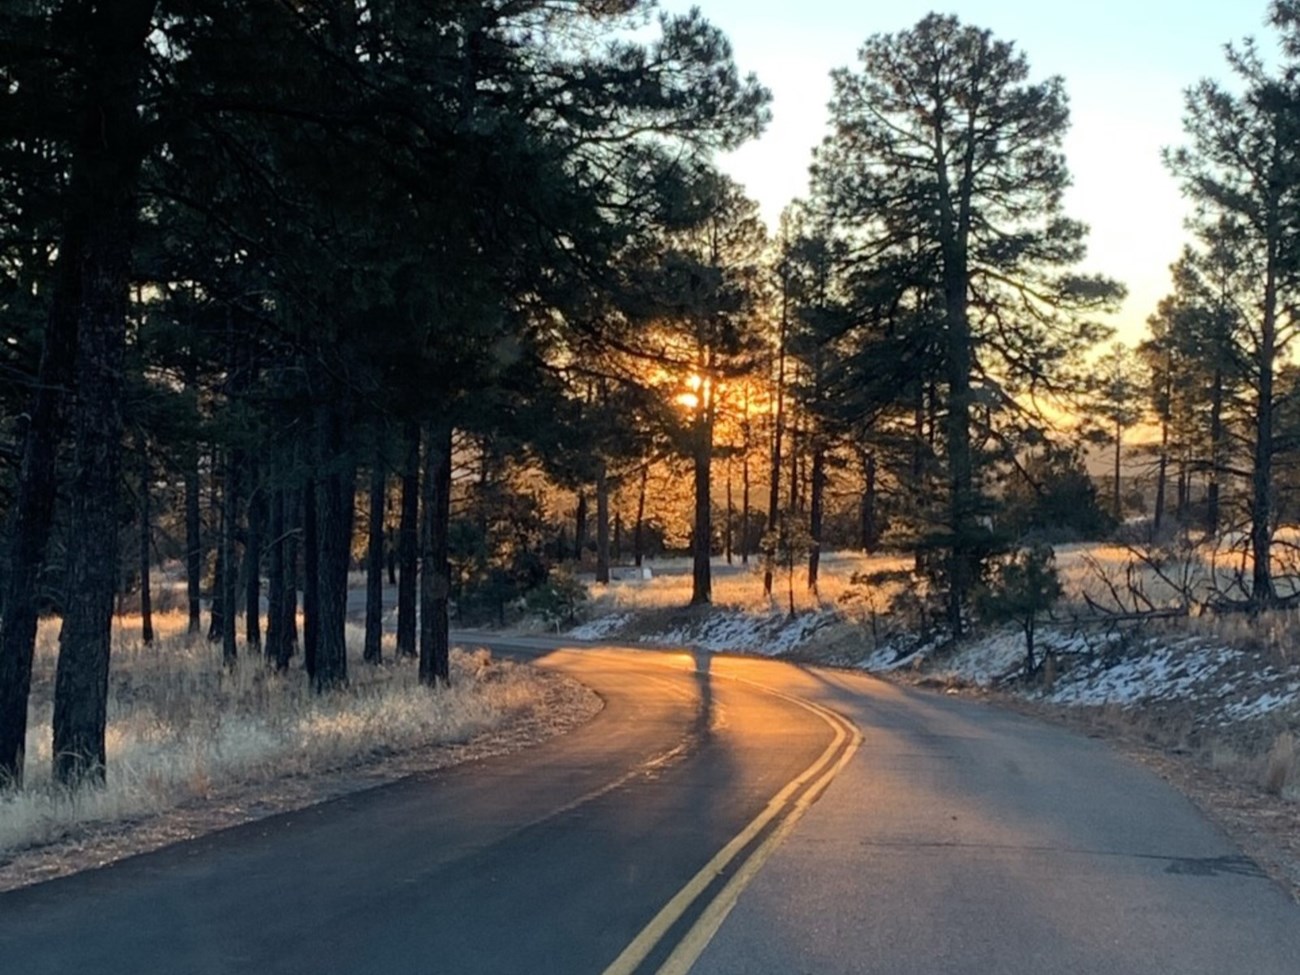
x,y
599,628
771,635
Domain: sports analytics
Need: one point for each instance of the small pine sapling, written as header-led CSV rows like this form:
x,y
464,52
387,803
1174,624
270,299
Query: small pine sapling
x,y
1022,588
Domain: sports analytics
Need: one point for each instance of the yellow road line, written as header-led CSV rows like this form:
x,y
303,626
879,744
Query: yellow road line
x,y
641,946
694,942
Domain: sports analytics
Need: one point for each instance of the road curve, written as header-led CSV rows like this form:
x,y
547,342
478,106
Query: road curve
x,y
666,836
597,851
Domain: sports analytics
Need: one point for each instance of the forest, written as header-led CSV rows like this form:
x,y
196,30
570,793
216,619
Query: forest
x,y
452,294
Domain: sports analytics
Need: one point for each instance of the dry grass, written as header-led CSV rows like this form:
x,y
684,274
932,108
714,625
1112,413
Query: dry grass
x,y
181,726
738,586
1282,766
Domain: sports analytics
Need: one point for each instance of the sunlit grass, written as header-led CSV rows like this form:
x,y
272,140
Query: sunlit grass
x,y
182,726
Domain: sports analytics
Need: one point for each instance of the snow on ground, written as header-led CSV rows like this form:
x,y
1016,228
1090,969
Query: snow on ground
x,y
771,635
601,627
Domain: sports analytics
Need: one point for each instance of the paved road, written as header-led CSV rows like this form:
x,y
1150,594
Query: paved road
x,y
668,832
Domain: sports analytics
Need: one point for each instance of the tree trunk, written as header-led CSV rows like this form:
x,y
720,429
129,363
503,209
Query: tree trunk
x,y
335,501
193,530
638,532
1162,476
146,539
870,531
701,536
774,490
229,578
408,543
89,296
602,525
1262,593
374,652
106,169
292,502
1216,455
815,505
253,564
435,583
310,579
580,527
731,514
275,578
744,501
1115,493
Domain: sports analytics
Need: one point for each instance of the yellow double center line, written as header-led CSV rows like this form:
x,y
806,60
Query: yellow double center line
x,y
787,806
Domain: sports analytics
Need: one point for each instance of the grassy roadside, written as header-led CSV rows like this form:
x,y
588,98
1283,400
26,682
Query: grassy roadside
x,y
193,747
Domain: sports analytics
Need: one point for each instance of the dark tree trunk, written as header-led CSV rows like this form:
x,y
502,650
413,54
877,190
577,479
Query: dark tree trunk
x,y
290,611
374,652
638,531
1262,593
89,297
731,514
602,525
702,535
193,528
774,489
870,532
229,578
253,567
1162,477
106,169
275,578
435,583
310,579
1115,490
336,497
217,608
744,501
1216,454
617,543
408,543
815,504
580,527
146,546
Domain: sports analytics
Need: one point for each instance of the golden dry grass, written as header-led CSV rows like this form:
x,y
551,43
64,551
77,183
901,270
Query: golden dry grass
x,y
181,726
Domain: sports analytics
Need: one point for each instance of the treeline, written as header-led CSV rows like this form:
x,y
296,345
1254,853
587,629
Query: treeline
x,y
262,249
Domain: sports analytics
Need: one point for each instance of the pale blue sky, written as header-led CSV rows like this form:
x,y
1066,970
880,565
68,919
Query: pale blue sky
x,y
1125,64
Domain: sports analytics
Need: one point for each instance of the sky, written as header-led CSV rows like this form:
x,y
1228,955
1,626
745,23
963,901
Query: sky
x,y
1126,64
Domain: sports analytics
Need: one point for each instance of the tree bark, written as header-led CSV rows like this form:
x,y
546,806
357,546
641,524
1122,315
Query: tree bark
x,y
374,652
817,490
275,579
229,578
774,490
435,582
106,168
638,531
310,579
146,539
335,501
1262,593
580,527
702,534
193,522
602,524
1216,454
408,543
253,564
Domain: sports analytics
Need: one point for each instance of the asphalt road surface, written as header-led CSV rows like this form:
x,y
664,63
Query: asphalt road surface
x,y
720,815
